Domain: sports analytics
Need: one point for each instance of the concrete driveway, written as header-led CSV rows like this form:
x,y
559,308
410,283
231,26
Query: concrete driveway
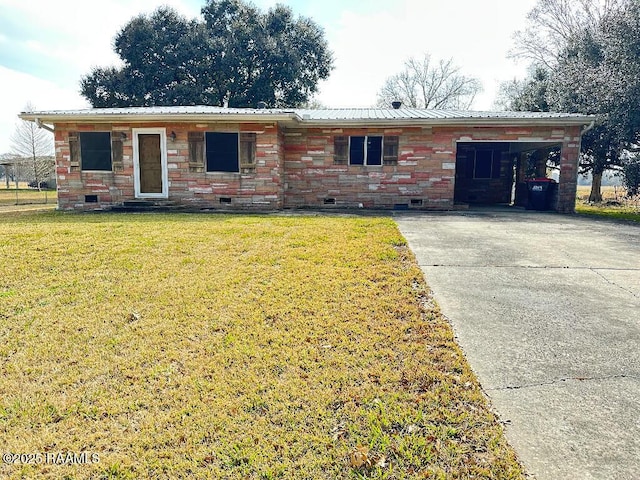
x,y
547,310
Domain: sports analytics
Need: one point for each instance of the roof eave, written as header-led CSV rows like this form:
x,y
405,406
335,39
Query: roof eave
x,y
292,117
450,122
166,117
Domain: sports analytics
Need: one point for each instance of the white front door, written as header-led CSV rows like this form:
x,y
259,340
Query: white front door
x,y
151,177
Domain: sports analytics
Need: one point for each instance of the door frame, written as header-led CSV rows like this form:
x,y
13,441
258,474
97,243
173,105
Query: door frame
x,y
163,161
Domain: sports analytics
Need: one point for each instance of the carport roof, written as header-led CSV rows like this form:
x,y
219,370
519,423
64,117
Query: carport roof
x,y
338,116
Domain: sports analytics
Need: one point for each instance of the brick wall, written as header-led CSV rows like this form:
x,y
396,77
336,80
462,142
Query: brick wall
x,y
424,177
424,173
261,189
295,168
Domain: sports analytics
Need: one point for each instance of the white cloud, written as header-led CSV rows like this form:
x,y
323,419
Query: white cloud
x,y
18,89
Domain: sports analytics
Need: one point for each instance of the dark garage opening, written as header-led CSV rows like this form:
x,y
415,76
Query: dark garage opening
x,y
496,173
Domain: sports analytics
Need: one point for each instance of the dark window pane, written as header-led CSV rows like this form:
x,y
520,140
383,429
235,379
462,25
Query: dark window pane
x,y
497,161
95,150
222,152
482,167
374,150
356,151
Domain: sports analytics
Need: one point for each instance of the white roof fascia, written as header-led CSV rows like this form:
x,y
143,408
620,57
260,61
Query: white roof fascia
x,y
289,117
166,117
444,122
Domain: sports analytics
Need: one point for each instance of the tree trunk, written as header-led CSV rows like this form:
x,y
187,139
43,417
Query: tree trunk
x,y
596,183
35,172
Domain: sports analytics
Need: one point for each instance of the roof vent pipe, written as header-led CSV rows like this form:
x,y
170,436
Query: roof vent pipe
x,y
396,105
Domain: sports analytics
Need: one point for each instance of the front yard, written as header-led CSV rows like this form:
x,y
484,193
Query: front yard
x,y
236,347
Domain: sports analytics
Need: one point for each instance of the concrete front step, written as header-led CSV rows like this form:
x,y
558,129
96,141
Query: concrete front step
x,y
150,205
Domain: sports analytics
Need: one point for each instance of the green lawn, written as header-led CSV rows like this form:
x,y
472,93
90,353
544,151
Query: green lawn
x,y
234,347
608,211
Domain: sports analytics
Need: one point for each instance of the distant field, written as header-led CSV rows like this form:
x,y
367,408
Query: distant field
x,y
26,196
608,193
614,204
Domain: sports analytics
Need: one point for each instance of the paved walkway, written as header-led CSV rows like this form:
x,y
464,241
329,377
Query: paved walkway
x,y
547,310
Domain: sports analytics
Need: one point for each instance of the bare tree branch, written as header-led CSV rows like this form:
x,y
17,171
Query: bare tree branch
x,y
553,23
424,85
35,147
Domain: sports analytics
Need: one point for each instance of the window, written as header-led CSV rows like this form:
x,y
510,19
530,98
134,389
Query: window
x,y
94,152
222,152
366,150
486,164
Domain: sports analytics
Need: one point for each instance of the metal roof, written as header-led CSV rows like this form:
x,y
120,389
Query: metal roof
x,y
338,116
419,114
168,110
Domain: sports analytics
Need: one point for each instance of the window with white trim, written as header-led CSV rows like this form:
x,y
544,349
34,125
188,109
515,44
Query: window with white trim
x,y
372,150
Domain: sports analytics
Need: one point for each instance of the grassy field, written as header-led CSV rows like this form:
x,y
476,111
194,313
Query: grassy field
x,y
233,347
615,204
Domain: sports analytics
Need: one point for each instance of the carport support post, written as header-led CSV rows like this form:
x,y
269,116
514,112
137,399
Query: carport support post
x,y
567,187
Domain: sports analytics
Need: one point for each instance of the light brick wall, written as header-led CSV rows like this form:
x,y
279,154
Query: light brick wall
x,y
425,170
261,189
295,168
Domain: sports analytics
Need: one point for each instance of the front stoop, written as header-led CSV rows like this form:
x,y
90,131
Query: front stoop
x,y
140,205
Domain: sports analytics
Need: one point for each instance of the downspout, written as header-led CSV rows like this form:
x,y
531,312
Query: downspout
x,y
42,125
588,127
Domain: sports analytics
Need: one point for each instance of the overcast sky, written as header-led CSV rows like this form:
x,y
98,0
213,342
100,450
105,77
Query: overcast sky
x,y
46,46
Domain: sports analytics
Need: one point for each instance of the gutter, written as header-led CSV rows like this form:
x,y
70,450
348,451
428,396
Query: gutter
x,y
159,118
446,122
300,120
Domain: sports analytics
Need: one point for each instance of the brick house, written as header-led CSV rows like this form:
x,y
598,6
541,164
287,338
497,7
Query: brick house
x,y
212,157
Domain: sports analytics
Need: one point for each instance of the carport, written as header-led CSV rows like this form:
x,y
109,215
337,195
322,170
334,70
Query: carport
x,y
496,173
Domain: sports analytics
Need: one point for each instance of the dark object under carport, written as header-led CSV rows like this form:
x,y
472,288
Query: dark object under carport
x,y
541,193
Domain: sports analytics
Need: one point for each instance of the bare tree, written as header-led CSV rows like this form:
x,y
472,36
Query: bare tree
x,y
553,23
35,146
589,69
427,84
